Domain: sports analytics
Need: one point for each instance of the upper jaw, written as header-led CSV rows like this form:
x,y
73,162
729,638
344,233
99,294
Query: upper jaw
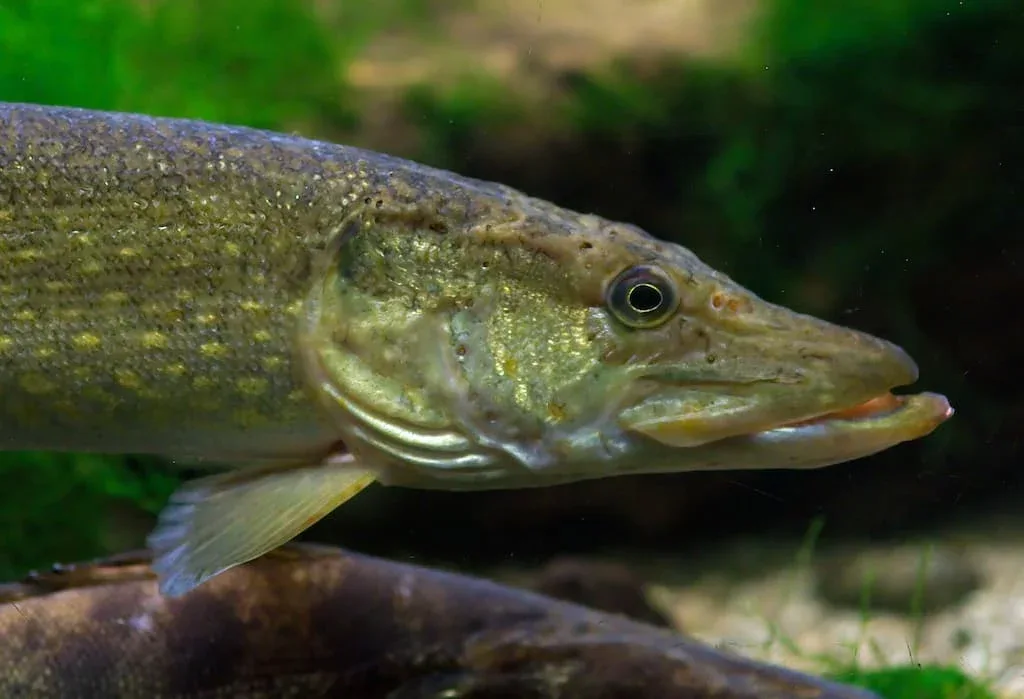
x,y
839,385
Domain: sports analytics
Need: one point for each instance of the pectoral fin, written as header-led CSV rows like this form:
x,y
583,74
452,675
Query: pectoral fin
x,y
215,523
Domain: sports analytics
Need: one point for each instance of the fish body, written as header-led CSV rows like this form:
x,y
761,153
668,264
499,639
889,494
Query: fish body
x,y
152,275
320,623
315,318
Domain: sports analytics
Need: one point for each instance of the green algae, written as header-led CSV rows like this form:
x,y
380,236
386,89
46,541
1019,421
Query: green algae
x,y
917,682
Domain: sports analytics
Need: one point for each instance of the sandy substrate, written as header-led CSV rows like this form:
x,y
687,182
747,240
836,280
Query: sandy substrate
x,y
778,618
762,598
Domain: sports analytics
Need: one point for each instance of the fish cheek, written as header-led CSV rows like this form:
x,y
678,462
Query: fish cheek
x,y
444,332
526,352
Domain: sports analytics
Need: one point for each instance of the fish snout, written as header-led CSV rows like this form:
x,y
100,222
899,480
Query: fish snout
x,y
846,366
894,366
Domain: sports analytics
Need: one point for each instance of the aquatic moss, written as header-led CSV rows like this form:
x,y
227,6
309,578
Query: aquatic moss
x,y
198,58
917,682
57,507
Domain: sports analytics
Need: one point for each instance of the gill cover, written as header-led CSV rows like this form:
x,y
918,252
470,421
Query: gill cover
x,y
463,352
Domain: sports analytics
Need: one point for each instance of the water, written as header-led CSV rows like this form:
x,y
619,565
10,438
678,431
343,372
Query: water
x,y
859,167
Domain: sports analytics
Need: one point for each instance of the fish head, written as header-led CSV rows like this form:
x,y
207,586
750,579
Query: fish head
x,y
730,380
495,349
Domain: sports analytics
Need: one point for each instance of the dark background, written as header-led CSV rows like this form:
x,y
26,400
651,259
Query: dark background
x,y
858,161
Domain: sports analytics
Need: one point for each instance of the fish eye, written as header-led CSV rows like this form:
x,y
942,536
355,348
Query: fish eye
x,y
642,297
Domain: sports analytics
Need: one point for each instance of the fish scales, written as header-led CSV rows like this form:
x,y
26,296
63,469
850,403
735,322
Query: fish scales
x,y
152,271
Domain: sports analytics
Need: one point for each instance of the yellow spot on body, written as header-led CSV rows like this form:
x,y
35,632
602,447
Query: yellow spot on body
x,y
128,252
44,352
510,367
6,215
25,255
5,343
92,267
25,315
521,393
232,249
556,411
56,286
154,340
214,349
207,318
86,341
37,384
184,295
115,297
251,306
262,336
127,378
175,369
272,363
67,314
252,385
294,308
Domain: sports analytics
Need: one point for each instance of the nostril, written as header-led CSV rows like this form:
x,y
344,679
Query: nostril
x,y
721,300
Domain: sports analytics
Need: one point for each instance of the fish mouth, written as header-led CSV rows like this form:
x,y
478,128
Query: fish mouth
x,y
906,416
850,433
878,407
897,416
809,395
831,437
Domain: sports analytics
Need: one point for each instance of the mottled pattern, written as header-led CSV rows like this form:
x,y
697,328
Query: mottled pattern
x,y
316,623
152,272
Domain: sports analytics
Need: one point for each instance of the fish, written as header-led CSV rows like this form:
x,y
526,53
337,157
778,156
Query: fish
x,y
301,319
318,622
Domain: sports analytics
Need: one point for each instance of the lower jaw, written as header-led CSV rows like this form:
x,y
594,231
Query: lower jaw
x,y
834,436
829,439
879,406
899,417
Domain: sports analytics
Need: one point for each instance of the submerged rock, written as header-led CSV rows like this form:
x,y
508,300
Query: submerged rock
x,y
902,580
604,585
319,623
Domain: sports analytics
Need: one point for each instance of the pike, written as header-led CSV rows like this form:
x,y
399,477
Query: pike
x,y
312,318
318,623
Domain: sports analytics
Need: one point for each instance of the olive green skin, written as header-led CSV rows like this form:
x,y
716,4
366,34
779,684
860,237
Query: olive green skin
x,y
219,294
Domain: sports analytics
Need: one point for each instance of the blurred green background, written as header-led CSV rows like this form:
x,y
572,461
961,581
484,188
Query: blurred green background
x,y
859,161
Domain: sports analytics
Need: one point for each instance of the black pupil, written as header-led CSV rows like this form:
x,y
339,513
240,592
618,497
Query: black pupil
x,y
644,298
